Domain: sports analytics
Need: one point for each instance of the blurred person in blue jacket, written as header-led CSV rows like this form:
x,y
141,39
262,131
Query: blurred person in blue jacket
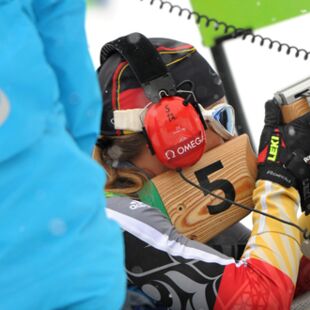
x,y
57,248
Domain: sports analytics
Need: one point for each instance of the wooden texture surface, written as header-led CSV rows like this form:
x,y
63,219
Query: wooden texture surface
x,y
294,110
187,206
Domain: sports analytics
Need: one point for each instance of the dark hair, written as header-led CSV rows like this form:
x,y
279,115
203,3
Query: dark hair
x,y
126,181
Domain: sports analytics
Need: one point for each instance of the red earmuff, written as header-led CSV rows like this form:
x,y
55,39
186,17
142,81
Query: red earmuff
x,y
175,131
173,127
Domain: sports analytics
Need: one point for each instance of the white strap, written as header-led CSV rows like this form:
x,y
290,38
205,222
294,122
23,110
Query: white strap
x,y
132,119
128,119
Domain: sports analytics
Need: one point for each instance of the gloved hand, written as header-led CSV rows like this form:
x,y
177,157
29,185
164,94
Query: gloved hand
x,y
284,152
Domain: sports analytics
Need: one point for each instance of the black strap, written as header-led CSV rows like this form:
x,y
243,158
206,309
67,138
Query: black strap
x,y
145,62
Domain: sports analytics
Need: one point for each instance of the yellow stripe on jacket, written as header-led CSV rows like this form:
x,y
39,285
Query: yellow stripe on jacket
x,y
272,241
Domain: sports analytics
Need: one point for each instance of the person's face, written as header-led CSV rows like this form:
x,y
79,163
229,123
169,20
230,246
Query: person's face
x,y
212,140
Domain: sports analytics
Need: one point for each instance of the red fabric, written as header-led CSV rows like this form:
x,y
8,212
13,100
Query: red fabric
x,y
256,285
133,98
303,281
178,48
262,155
114,89
115,85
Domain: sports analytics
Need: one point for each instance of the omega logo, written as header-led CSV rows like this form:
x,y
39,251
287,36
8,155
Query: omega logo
x,y
184,148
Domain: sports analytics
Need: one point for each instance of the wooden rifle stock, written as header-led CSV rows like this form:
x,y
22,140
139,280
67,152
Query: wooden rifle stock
x,y
294,110
234,163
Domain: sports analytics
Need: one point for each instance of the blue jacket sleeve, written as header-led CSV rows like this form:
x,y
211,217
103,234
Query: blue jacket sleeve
x,y
61,28
28,87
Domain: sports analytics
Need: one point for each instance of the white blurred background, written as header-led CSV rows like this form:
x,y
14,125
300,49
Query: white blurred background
x,y
258,72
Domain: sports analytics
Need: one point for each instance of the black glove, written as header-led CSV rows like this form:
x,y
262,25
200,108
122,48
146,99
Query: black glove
x,y
284,152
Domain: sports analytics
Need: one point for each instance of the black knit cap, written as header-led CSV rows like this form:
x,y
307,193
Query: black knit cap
x,y
121,89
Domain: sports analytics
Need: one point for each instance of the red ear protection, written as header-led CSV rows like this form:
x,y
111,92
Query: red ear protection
x,y
175,132
173,127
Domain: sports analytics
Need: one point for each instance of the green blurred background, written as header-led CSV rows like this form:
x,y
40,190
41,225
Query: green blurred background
x,y
244,14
